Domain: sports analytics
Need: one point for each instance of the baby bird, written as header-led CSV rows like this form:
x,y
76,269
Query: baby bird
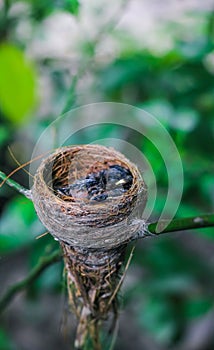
x,y
98,186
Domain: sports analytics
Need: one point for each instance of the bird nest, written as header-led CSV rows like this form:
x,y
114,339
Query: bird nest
x,y
88,195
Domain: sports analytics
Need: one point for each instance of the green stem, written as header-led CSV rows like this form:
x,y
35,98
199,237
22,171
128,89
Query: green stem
x,y
182,224
6,8
38,269
14,184
175,225
71,95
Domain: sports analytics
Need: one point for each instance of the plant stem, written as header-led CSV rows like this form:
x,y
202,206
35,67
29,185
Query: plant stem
x,y
44,262
14,184
6,6
183,224
175,225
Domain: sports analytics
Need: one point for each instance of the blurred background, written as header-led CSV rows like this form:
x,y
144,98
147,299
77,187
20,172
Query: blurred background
x,y
56,55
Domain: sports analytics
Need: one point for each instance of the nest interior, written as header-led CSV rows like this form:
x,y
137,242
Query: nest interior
x,y
82,177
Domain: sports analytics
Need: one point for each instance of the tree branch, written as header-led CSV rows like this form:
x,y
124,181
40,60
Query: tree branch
x,y
14,184
183,224
44,262
175,225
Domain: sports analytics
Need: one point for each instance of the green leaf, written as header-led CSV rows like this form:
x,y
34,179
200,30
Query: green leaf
x,y
50,278
41,9
18,225
17,84
5,342
156,315
4,134
72,6
197,307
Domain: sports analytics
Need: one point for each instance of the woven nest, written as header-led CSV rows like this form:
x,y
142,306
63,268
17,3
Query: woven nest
x,y
74,210
90,198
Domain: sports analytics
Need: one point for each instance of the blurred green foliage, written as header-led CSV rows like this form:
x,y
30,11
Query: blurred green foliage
x,y
18,213
17,84
5,341
176,86
42,9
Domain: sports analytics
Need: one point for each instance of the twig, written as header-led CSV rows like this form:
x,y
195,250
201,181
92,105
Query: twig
x,y
17,162
123,277
14,184
6,7
44,262
182,224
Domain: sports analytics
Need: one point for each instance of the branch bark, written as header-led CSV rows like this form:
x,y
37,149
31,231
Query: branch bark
x,y
15,185
183,224
180,224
